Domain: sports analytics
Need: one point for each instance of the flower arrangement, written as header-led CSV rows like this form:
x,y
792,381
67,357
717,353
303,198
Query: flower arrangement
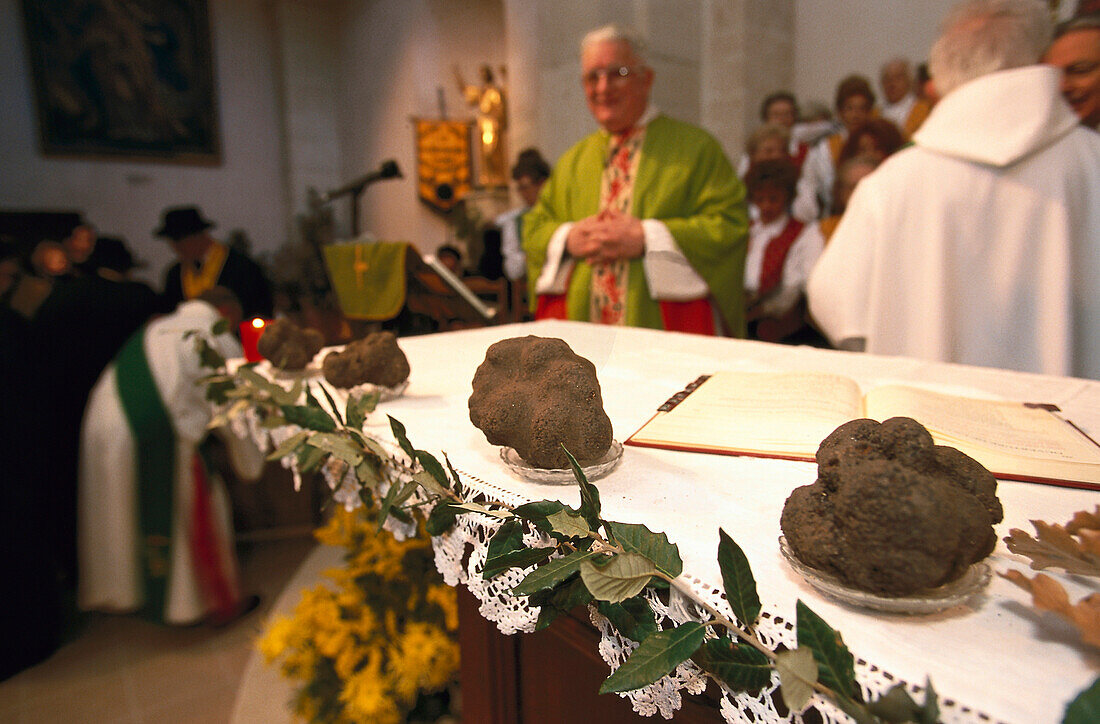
x,y
367,647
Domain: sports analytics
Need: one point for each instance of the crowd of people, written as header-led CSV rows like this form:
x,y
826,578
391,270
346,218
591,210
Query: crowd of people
x,y
69,310
956,219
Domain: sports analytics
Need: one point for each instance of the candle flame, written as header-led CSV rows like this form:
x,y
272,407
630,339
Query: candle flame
x,y
258,323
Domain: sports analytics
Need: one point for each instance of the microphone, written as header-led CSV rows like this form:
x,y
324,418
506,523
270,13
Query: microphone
x,y
388,169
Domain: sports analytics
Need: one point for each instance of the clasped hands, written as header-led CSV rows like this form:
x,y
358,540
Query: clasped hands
x,y
606,237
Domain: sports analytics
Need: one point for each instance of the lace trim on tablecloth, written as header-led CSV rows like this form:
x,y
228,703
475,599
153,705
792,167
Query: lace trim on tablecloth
x,y
460,559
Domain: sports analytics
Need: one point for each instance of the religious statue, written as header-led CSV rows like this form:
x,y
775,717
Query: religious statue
x,y
492,121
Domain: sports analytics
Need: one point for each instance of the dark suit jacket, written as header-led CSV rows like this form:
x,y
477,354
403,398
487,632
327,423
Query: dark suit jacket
x,y
240,275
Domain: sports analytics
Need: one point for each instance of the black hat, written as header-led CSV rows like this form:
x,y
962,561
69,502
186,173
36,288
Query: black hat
x,y
111,253
182,221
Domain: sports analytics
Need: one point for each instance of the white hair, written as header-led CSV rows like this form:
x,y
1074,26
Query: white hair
x,y
983,36
616,34
903,63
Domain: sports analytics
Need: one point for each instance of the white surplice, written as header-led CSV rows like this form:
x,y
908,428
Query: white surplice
x,y
109,530
981,243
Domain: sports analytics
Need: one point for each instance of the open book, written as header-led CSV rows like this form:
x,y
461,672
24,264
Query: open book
x,y
787,415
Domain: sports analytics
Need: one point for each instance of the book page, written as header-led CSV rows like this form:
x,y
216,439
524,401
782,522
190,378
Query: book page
x,y
1004,428
780,413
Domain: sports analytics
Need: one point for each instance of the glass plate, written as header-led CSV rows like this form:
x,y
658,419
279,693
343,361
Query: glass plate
x,y
385,393
562,476
930,600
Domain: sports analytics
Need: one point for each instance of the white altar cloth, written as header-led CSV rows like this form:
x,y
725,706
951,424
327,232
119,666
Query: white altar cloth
x,y
994,658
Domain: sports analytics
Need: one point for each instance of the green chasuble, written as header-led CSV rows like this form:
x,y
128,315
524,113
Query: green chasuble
x,y
684,180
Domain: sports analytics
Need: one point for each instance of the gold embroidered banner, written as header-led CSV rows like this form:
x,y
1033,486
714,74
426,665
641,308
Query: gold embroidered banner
x,y
442,161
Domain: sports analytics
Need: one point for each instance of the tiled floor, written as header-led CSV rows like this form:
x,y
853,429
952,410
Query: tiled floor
x,y
125,669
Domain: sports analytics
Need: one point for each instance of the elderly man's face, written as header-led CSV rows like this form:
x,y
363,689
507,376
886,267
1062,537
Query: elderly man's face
x,y
896,82
615,84
1077,53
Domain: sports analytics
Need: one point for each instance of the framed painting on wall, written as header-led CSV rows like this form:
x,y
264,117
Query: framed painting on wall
x,y
123,79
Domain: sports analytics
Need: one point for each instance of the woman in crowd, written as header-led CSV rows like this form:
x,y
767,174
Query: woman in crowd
x,y
855,104
782,251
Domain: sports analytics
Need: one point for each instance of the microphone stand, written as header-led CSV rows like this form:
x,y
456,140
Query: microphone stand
x,y
356,188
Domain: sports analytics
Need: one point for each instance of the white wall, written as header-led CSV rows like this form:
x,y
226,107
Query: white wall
x,y
834,39
126,198
395,54
385,60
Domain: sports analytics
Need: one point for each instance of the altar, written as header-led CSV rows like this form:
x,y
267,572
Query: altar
x,y
994,658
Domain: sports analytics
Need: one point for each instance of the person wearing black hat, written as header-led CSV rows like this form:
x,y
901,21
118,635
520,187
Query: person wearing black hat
x,y
205,262
76,331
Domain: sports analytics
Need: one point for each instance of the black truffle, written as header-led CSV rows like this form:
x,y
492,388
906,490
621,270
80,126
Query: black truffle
x,y
535,394
891,512
288,346
374,359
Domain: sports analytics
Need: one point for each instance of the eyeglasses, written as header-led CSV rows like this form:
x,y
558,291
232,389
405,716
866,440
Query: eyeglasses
x,y
611,75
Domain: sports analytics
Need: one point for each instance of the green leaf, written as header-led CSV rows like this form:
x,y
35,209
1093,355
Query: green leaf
x,y
429,463
622,577
522,558
311,418
273,421
632,618
388,502
563,598
359,406
454,476
407,491
567,524
441,519
836,667
375,447
895,706
479,508
508,538
590,497
220,327
738,580
507,550
538,512
338,446
739,666
218,391
930,712
402,440
366,472
797,673
331,403
259,381
429,483
289,445
637,538
310,458
208,356
311,401
552,573
655,657
281,396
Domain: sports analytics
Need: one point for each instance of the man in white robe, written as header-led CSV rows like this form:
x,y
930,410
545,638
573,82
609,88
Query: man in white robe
x,y
186,570
981,243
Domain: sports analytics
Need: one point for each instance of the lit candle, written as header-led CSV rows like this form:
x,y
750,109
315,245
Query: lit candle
x,y
251,331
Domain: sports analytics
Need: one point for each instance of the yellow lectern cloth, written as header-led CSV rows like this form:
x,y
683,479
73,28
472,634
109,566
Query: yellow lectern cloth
x,y
369,278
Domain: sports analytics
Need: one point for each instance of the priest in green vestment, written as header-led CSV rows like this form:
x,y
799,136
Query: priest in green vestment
x,y
644,222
